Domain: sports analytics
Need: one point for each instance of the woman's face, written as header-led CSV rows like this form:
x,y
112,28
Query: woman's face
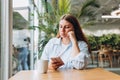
x,y
64,28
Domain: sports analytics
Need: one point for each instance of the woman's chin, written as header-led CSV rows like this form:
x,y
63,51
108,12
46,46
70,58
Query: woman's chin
x,y
63,36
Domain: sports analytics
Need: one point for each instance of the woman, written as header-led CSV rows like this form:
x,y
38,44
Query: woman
x,y
70,48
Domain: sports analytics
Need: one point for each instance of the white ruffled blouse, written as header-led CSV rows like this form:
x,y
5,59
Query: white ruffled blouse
x,y
54,48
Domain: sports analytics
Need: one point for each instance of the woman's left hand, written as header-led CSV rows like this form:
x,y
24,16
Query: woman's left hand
x,y
75,47
72,36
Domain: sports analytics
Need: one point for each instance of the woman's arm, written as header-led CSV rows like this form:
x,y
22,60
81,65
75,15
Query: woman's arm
x,y
81,59
75,47
79,52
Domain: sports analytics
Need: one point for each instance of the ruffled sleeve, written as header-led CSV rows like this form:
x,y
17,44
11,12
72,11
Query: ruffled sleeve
x,y
81,60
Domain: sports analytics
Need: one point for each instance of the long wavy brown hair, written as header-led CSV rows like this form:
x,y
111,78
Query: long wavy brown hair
x,y
77,28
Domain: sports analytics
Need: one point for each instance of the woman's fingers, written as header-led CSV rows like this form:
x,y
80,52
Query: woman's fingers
x,y
56,62
72,36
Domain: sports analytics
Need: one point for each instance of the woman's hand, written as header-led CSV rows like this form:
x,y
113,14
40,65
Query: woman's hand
x,y
55,63
72,36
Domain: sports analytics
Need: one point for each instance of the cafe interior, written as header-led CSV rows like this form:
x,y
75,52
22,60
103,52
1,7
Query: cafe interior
x,y
27,25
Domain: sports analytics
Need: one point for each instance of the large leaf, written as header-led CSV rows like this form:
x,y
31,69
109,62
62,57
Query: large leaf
x,y
85,6
63,6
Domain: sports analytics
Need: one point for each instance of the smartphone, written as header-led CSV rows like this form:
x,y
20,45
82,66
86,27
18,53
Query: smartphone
x,y
54,59
57,60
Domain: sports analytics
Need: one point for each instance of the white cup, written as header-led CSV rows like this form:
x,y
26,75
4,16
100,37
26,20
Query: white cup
x,y
41,66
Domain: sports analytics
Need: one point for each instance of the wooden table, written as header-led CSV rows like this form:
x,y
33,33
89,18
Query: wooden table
x,y
88,74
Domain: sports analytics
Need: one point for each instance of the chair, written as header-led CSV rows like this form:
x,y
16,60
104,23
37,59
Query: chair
x,y
94,55
119,60
118,57
115,54
105,54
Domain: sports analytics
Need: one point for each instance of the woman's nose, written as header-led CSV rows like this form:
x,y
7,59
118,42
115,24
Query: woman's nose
x,y
62,29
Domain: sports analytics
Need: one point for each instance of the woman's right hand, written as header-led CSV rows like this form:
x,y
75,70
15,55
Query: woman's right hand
x,y
55,63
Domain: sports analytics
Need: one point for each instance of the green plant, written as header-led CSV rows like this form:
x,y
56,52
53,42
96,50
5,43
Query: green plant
x,y
85,11
109,39
49,20
93,41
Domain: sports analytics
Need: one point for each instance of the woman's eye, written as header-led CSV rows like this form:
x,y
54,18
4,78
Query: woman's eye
x,y
67,27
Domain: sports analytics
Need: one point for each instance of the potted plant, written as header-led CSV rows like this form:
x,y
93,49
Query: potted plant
x,y
48,21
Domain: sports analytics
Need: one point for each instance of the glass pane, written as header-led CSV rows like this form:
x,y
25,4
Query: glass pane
x,y
0,39
21,36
